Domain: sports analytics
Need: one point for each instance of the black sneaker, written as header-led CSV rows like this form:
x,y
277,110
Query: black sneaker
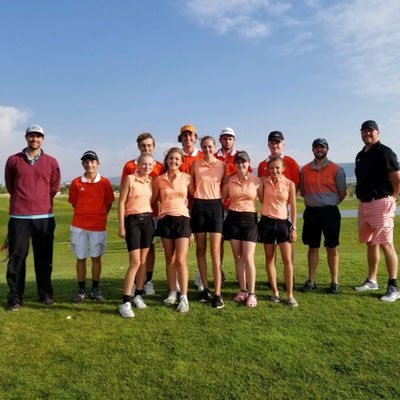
x,y
308,286
47,300
204,295
217,301
14,306
334,288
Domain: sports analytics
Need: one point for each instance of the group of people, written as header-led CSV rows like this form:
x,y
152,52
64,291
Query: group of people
x,y
211,194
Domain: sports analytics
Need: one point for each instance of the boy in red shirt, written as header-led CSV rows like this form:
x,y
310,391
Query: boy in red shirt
x,y
92,196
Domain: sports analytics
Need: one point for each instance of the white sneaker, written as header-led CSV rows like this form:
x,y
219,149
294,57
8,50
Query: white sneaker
x,y
126,310
183,306
198,282
171,299
133,290
149,288
178,288
367,285
138,301
391,295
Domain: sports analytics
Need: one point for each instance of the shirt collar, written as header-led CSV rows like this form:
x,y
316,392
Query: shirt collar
x,y
95,180
32,160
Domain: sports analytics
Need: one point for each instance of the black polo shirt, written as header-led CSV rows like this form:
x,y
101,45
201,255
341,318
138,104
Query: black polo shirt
x,y
372,172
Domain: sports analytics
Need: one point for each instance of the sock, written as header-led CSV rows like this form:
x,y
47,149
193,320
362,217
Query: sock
x,y
95,284
126,299
82,285
149,276
138,292
392,282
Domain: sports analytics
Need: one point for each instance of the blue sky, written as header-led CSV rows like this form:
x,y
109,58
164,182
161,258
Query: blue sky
x,y
97,73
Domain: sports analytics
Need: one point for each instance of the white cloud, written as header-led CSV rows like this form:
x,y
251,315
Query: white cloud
x,y
366,35
10,119
246,18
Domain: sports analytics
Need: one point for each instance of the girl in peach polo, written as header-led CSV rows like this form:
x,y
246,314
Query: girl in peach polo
x,y
207,216
240,226
172,190
137,228
275,227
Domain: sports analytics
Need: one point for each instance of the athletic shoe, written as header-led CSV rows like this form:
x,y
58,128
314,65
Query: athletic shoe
x,y
241,296
217,301
334,288
308,286
198,283
96,295
274,298
391,295
126,310
14,307
138,301
204,295
171,299
183,306
292,302
78,298
47,300
149,288
251,301
367,285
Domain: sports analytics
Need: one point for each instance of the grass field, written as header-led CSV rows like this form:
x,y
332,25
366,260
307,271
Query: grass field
x,y
330,347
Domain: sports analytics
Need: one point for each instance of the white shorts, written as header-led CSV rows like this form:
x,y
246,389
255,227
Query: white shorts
x,y
81,239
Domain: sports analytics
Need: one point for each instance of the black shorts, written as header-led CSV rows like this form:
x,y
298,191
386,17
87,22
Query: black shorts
x,y
207,216
318,220
139,231
273,231
241,226
170,227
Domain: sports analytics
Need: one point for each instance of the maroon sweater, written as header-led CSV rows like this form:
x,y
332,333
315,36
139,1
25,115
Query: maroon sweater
x,y
31,186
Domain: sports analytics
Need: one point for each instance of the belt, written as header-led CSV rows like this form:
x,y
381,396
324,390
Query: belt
x,y
369,199
139,216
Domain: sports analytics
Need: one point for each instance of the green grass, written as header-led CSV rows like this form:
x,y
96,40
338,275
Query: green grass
x,y
331,347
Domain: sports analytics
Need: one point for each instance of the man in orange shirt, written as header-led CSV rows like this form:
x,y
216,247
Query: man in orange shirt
x,y
92,196
146,144
188,137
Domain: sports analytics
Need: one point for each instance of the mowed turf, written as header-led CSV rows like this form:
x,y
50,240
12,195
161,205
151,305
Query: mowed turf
x,y
330,347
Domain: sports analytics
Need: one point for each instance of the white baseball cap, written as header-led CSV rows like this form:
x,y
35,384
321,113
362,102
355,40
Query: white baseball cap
x,y
34,129
227,131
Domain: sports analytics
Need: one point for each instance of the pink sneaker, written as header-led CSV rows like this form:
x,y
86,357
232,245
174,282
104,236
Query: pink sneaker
x,y
251,301
241,296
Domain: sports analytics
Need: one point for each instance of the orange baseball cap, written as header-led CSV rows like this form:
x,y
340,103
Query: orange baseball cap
x,y
189,128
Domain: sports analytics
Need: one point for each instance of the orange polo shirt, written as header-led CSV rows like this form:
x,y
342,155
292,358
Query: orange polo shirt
x,y
243,195
131,166
189,159
90,201
173,195
138,200
292,169
208,178
276,198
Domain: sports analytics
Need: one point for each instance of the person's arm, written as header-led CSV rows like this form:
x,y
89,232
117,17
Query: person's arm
x,y
394,178
156,191
341,184
191,187
9,177
55,180
260,191
121,207
293,212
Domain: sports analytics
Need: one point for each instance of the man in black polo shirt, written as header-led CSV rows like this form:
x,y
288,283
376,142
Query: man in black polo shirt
x,y
378,184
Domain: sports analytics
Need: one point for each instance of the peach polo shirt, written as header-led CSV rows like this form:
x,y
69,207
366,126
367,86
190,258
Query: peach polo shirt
x,y
208,178
243,195
174,194
276,197
138,200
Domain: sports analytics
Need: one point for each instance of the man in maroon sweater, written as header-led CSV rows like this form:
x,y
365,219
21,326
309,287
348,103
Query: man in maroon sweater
x,y
32,178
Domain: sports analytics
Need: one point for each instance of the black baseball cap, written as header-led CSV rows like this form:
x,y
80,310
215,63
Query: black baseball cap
x,y
320,142
369,125
276,135
89,155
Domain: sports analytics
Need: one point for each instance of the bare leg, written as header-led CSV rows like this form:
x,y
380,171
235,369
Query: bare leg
x,y
313,259
215,249
333,263
269,250
201,248
373,257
